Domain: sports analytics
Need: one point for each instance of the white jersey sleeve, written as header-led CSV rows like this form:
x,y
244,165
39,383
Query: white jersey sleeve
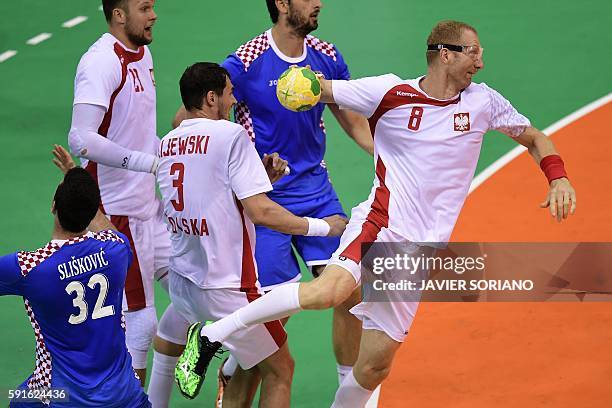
x,y
247,174
98,76
84,141
504,117
363,95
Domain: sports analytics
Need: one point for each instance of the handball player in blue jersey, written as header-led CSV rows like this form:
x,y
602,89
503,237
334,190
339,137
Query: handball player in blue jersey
x,y
72,288
299,138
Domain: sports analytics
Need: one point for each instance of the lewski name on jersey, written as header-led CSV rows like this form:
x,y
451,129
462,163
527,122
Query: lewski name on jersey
x,y
195,144
84,264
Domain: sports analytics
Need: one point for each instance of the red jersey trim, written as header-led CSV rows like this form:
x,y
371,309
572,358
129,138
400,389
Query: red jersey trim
x,y
377,219
248,281
134,286
401,95
125,58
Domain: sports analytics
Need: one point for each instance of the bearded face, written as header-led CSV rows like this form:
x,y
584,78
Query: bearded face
x,y
140,19
303,18
138,33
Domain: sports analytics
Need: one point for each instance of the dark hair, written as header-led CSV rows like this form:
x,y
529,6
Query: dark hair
x,y
109,5
273,10
76,200
198,80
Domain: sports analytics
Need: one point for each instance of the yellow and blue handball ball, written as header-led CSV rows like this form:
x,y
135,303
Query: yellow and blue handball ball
x,y
298,89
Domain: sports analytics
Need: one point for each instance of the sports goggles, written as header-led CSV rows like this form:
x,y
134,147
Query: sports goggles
x,y
472,51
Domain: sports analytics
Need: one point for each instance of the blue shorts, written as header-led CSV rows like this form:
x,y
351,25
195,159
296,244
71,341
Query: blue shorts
x,y
275,252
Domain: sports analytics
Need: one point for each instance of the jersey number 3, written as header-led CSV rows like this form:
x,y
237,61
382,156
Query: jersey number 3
x,y
415,118
79,302
177,183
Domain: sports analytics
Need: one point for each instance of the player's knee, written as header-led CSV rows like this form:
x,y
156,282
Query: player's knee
x,y
284,368
280,371
374,372
140,328
325,296
323,299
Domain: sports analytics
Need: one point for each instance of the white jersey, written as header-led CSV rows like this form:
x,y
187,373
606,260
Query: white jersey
x,y
122,81
205,168
425,149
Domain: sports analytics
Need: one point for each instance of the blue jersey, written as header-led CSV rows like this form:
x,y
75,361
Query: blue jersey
x,y
299,137
73,292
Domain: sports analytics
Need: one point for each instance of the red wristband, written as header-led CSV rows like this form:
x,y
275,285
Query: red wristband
x,y
553,167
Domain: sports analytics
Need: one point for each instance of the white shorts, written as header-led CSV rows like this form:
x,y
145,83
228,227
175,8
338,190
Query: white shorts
x,y
250,346
150,243
393,318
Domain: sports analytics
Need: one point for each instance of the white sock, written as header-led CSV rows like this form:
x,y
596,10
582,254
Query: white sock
x,y
280,302
162,380
342,372
351,394
229,368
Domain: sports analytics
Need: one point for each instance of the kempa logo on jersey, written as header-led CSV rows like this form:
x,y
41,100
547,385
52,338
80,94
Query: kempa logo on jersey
x,y
462,122
408,94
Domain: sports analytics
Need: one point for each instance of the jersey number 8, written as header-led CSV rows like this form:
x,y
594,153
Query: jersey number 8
x,y
79,302
415,118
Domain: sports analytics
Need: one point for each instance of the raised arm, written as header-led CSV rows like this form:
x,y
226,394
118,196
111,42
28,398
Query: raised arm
x,y
561,197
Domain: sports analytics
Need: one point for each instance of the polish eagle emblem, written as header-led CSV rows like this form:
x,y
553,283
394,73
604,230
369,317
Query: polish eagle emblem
x,y
462,122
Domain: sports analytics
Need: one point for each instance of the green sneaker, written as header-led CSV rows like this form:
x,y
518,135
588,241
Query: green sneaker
x,y
191,367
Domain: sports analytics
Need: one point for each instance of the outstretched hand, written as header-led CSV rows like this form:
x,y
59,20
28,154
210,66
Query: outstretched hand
x,y
62,159
561,199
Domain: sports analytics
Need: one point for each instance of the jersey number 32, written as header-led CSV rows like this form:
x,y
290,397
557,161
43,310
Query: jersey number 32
x,y
79,302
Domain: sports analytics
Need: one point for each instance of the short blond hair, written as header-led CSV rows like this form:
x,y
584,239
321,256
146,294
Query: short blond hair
x,y
446,32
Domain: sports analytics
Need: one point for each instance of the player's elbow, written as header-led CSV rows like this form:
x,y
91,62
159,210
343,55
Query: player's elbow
x,y
264,216
259,212
76,143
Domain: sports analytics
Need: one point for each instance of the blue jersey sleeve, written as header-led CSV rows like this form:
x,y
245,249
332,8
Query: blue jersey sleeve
x,y
235,67
10,275
342,71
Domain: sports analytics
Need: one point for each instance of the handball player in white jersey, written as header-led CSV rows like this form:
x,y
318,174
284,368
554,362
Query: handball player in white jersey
x,y
114,132
214,187
427,137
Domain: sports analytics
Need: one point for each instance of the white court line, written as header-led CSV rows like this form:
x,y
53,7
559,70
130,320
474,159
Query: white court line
x,y
74,21
7,54
514,153
39,38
